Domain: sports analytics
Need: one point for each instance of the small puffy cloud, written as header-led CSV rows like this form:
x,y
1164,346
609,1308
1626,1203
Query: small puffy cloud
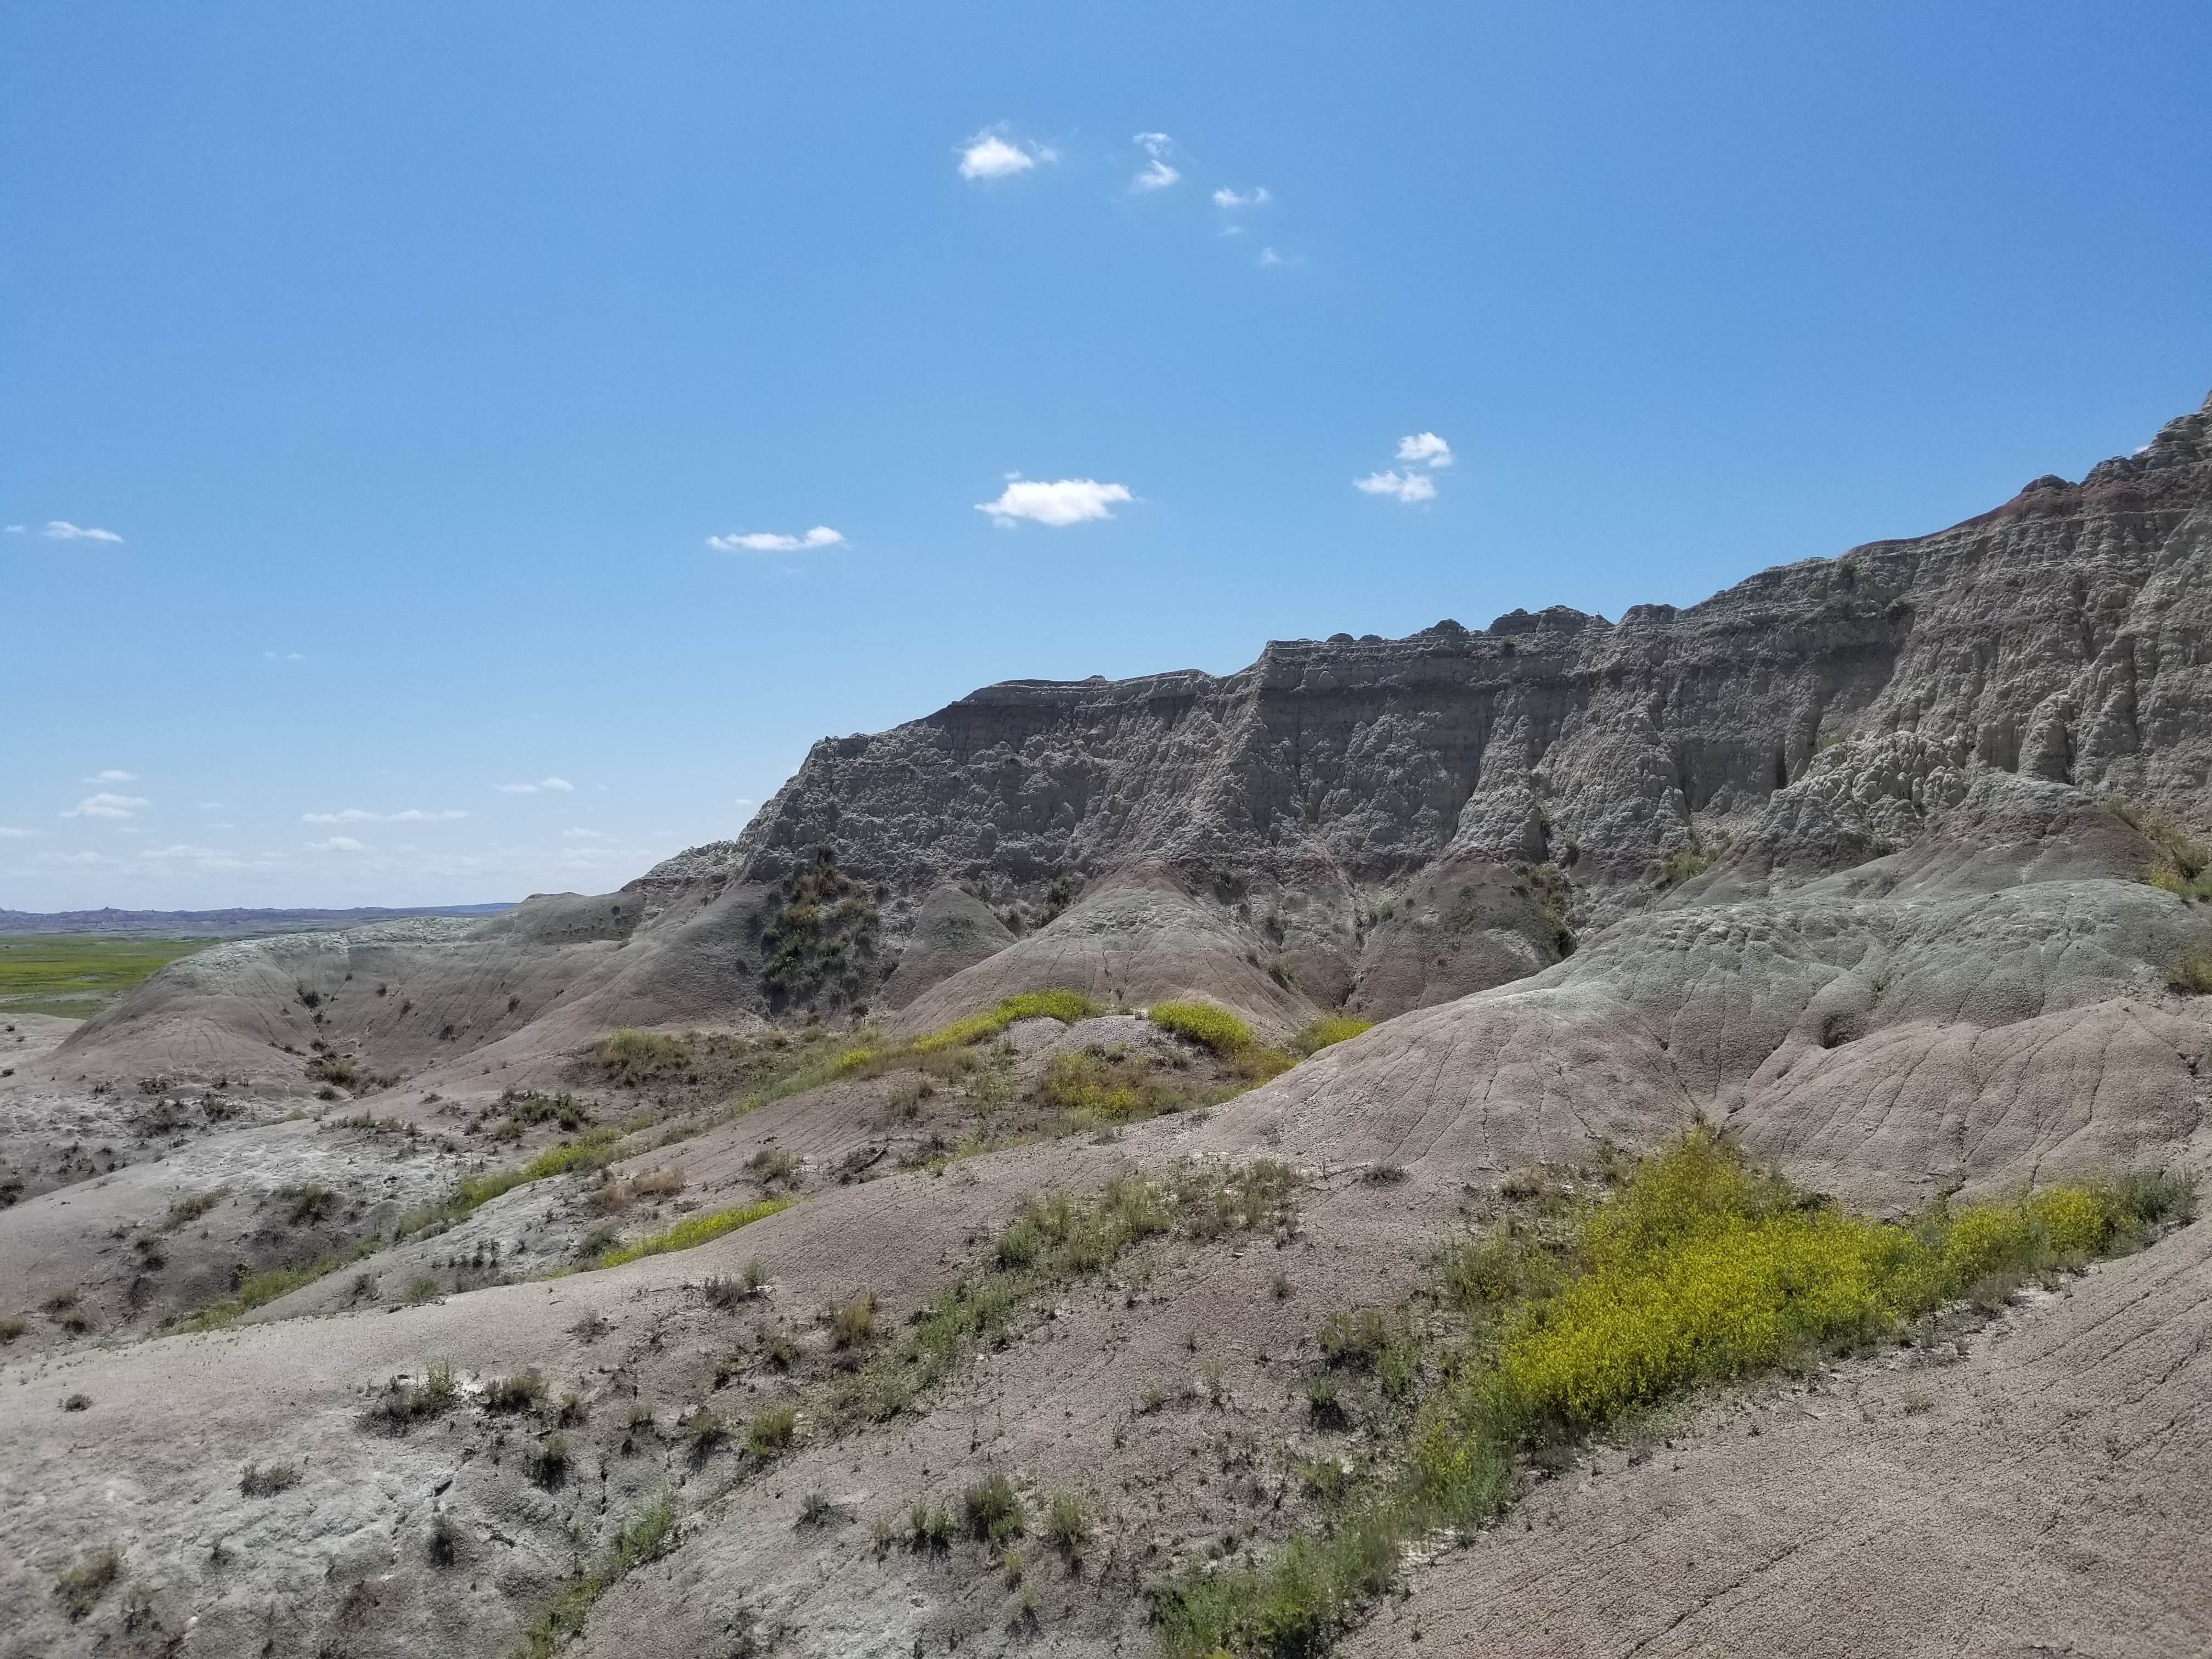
x,y
558,786
347,815
9,834
583,835
111,776
1063,501
416,815
1402,487
337,844
991,154
1158,173
61,530
106,805
1233,201
84,857
284,656
181,851
516,789
1425,446
769,541
1269,257
562,785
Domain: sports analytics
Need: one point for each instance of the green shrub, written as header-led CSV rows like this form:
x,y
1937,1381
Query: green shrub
x,y
267,1479
1202,1022
929,1530
1069,1007
548,1466
992,1511
522,1392
695,1231
633,1058
771,1431
2193,975
1066,1528
1325,1033
79,1588
854,1322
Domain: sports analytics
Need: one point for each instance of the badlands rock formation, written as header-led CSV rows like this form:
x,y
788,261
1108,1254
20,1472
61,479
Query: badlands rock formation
x,y
1884,861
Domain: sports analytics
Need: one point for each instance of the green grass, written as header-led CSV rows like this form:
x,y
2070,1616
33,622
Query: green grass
x,y
647,1535
1225,1035
1698,1271
1066,1006
695,1230
77,976
1325,1033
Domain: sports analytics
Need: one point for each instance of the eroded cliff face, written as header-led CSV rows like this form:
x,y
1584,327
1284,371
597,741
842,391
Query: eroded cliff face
x,y
1363,823
2061,637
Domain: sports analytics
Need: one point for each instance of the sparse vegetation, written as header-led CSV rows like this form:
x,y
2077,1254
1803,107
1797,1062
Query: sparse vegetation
x,y
1335,1028
1069,1007
404,1403
267,1479
992,1511
1051,1242
645,1536
79,1588
1699,1270
695,1230
631,1059
187,1210
548,1464
2184,864
770,1432
854,1322
1220,1032
820,944
1066,1526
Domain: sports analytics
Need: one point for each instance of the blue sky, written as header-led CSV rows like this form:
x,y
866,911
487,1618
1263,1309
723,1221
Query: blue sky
x,y
415,354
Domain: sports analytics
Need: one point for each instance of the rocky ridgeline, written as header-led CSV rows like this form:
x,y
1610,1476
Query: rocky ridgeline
x,y
1381,825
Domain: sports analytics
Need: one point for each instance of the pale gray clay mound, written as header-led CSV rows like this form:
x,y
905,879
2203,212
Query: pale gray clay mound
x,y
326,1331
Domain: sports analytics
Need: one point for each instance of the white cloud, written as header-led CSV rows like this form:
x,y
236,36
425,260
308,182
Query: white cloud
x,y
104,805
61,530
769,541
284,656
561,784
84,857
181,851
358,815
111,776
1157,174
746,800
337,844
8,834
1061,502
991,155
1269,257
1233,201
1425,446
583,835
1406,487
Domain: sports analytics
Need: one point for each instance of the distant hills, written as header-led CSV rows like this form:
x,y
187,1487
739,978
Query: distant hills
x,y
221,924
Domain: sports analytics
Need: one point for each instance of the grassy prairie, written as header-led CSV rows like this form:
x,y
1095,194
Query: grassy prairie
x,y
78,974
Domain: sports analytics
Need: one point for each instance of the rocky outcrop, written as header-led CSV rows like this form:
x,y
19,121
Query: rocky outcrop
x,y
1384,824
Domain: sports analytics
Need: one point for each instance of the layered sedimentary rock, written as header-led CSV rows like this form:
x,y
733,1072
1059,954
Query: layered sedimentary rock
x,y
1369,823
